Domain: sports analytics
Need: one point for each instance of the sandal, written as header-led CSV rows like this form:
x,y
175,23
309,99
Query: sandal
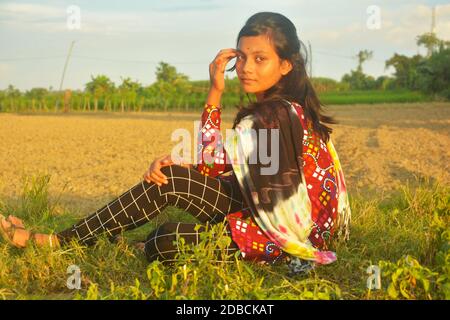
x,y
12,230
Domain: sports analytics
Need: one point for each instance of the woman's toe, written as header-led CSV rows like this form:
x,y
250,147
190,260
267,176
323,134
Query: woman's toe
x,y
5,224
17,222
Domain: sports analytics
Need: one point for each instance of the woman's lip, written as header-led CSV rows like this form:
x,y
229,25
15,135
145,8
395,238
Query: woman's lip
x,y
247,80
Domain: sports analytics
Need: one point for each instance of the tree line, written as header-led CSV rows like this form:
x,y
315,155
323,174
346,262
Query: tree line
x,y
429,74
174,91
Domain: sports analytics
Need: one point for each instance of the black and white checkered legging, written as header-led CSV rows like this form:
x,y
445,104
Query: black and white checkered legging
x,y
208,199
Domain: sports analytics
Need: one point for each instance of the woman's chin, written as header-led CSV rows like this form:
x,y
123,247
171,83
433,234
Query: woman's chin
x,y
248,88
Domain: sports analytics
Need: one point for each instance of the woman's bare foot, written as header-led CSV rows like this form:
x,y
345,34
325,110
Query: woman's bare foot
x,y
43,240
13,231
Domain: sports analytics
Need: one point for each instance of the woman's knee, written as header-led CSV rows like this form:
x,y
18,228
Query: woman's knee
x,y
174,170
179,180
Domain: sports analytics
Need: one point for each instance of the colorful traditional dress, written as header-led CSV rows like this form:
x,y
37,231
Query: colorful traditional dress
x,y
292,214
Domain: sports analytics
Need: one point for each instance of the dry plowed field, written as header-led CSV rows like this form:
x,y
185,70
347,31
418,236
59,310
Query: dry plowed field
x,y
93,157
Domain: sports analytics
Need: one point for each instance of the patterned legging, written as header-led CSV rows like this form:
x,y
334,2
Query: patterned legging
x,y
206,198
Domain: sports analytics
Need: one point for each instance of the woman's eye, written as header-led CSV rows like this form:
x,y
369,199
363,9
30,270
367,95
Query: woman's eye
x,y
259,59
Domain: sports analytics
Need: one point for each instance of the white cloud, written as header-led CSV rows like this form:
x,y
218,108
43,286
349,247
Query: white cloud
x,y
22,16
29,10
51,19
400,27
337,34
159,20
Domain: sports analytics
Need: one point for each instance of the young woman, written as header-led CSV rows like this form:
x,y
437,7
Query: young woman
x,y
287,215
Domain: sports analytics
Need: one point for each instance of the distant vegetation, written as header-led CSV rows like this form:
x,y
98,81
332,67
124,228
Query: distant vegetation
x,y
417,78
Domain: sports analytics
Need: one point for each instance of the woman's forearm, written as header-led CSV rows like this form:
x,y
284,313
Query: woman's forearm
x,y
214,97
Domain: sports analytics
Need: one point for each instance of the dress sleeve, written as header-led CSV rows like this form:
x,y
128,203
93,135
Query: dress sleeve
x,y
212,157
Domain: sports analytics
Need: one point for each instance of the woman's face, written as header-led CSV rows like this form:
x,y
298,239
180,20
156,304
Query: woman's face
x,y
258,66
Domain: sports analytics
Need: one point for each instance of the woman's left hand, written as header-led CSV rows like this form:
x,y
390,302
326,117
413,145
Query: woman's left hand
x,y
154,174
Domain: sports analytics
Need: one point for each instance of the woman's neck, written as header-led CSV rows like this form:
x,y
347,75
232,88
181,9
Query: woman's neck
x,y
259,96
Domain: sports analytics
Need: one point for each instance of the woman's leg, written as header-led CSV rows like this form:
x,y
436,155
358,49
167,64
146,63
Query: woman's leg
x,y
209,199
162,243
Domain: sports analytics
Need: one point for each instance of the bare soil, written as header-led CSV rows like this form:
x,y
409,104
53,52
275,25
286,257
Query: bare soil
x,y
94,157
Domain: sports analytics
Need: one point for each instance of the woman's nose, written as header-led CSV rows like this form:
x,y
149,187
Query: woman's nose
x,y
247,67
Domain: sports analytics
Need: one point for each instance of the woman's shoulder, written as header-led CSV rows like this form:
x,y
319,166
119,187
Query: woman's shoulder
x,y
292,102
269,111
297,106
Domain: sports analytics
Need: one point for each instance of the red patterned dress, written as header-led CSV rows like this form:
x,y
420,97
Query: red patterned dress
x,y
320,179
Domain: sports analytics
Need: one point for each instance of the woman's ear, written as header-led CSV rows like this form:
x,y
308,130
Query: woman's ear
x,y
286,67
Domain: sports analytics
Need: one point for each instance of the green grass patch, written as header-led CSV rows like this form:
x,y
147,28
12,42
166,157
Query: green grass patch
x,y
372,97
406,235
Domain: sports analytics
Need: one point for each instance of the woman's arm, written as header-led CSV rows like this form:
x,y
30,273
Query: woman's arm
x,y
212,155
214,97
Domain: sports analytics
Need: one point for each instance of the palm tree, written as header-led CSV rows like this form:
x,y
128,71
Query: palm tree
x,y
363,56
170,84
100,86
87,101
12,93
37,95
128,90
430,41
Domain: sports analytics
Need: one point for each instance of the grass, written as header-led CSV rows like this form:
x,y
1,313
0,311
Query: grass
x,y
195,101
405,234
373,96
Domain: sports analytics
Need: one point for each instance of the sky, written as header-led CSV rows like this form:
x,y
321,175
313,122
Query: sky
x,y
129,38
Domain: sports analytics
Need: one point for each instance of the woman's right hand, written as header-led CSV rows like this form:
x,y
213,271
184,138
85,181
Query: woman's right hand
x,y
217,68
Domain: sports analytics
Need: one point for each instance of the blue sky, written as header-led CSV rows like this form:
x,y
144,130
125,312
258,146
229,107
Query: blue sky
x,y
129,38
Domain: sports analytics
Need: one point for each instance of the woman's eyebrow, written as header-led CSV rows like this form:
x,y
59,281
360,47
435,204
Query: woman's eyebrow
x,y
254,52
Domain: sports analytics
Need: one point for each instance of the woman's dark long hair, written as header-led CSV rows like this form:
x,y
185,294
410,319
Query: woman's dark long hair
x,y
294,86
